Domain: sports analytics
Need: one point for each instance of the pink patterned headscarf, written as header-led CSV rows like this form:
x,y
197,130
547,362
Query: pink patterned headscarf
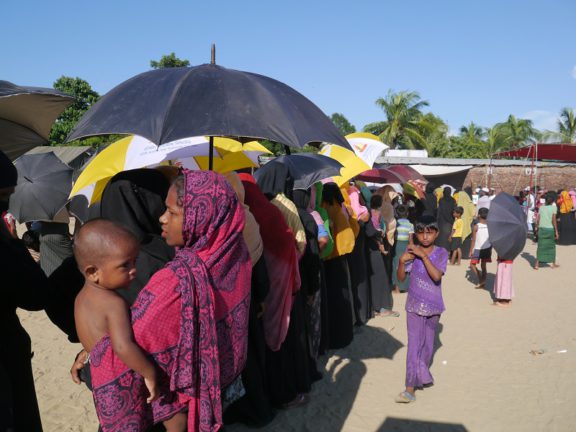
x,y
215,260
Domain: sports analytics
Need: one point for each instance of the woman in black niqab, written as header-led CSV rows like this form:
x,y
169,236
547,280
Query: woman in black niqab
x,y
445,217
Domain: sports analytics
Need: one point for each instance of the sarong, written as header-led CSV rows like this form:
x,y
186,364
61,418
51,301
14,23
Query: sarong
x,y
546,252
174,327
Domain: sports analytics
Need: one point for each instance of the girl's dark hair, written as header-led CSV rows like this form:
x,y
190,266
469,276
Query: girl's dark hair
x,y
376,202
179,184
426,222
459,210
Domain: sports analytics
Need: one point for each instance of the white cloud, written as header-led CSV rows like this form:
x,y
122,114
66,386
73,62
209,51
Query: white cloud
x,y
542,120
573,73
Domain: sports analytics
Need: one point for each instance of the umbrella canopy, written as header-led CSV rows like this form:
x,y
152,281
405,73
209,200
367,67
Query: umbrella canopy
x,y
137,152
44,183
305,168
507,226
169,104
381,175
366,146
27,115
353,165
405,171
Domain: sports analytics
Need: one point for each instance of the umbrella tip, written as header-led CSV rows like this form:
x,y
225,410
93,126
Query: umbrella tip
x,y
213,54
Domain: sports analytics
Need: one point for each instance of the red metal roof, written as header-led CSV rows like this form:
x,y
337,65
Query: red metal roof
x,y
559,152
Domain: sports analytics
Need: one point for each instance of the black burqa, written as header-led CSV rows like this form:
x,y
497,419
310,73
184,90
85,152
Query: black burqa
x,y
25,286
134,199
429,205
339,291
380,285
445,218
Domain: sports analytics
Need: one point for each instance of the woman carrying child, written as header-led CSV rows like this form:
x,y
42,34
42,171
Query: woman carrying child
x,y
192,316
426,264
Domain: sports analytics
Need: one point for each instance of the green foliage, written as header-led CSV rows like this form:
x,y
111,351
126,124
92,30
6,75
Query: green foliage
x,y
567,126
402,128
84,96
517,133
169,61
280,149
342,123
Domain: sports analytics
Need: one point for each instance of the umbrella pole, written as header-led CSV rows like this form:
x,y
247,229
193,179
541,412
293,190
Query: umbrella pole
x,y
211,154
287,149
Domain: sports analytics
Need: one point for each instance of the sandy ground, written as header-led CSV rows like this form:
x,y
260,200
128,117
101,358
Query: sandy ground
x,y
486,377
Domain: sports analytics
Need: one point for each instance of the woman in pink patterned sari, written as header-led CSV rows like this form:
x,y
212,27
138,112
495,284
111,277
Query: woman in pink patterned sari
x,y
192,317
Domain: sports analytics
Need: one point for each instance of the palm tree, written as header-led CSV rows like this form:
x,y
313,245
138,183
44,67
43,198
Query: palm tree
x,y
567,126
402,128
495,141
472,132
517,132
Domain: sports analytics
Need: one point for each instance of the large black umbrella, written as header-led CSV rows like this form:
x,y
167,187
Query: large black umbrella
x,y
44,183
27,115
164,105
507,226
304,168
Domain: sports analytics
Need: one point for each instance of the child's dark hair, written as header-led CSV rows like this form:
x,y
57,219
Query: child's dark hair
x,y
426,222
459,210
402,211
31,240
550,197
376,202
483,213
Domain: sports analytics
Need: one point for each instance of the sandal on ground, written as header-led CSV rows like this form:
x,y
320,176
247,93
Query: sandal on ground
x,y
405,397
388,313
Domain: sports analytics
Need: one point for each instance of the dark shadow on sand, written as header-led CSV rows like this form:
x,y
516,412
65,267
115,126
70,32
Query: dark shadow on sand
x,y
393,424
332,398
488,286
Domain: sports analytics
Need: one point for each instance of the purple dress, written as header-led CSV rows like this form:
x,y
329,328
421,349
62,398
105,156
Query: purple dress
x,y
423,306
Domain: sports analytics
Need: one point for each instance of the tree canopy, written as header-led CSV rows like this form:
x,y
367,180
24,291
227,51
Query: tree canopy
x,y
169,61
84,96
342,123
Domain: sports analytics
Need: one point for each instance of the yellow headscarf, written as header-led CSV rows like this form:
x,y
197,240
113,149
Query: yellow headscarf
x,y
463,200
565,202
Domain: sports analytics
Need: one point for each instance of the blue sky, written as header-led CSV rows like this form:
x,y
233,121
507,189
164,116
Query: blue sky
x,y
471,60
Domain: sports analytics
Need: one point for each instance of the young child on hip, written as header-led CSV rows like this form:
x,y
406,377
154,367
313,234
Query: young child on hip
x,y
106,255
480,248
426,264
455,238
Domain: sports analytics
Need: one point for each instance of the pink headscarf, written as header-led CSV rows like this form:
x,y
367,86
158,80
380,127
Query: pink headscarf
x,y
358,208
215,260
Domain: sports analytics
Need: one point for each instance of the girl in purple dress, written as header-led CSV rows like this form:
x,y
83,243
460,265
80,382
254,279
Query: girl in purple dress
x,y
426,264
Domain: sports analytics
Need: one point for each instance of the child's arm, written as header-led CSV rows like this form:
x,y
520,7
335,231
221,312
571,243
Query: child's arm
x,y
435,274
473,241
126,348
555,225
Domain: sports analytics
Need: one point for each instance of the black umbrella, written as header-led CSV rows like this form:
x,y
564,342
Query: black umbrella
x,y
44,183
27,115
304,168
164,105
507,226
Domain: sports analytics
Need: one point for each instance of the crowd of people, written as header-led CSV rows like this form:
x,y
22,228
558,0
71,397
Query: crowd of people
x,y
202,299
